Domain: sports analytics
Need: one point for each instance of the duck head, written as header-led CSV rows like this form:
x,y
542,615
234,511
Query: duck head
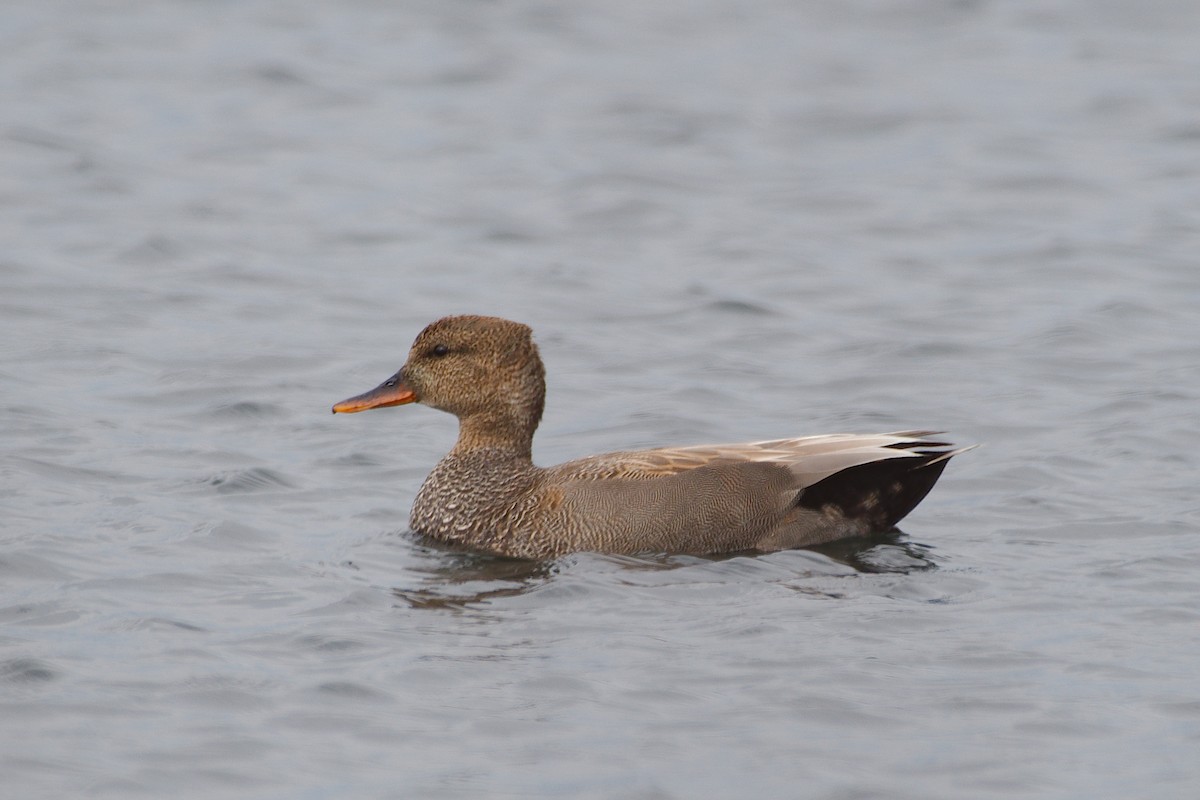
x,y
484,370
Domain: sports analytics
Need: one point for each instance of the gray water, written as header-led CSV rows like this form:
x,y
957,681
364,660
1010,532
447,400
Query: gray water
x,y
725,221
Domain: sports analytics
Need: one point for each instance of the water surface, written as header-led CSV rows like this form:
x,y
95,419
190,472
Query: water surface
x,y
725,222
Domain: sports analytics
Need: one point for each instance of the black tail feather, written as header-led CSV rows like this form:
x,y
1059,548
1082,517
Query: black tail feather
x,y
880,493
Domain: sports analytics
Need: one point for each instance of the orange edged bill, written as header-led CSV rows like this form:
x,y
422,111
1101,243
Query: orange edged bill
x,y
392,392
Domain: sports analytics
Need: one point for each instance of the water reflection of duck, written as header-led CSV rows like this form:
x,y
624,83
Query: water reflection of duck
x,y
487,494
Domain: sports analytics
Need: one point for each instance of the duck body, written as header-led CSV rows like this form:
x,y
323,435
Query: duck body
x,y
487,494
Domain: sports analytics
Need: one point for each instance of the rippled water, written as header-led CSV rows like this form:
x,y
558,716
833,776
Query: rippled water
x,y
724,221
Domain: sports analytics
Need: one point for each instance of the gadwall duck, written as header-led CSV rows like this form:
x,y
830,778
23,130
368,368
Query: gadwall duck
x,y
487,494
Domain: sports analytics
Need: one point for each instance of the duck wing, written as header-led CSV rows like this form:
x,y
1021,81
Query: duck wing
x,y
810,459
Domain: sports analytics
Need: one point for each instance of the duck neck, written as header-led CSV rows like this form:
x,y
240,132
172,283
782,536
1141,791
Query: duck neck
x,y
490,432
507,421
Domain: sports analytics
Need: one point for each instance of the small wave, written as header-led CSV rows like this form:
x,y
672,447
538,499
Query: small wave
x,y
255,479
26,670
246,410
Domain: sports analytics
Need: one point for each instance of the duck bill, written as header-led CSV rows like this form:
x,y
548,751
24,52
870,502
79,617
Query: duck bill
x,y
392,392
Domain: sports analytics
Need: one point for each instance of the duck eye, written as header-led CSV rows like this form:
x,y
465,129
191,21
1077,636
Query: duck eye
x,y
439,350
